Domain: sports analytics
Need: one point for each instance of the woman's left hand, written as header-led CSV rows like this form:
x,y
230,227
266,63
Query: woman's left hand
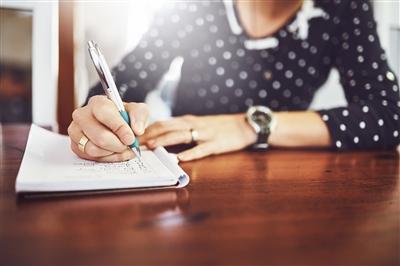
x,y
213,134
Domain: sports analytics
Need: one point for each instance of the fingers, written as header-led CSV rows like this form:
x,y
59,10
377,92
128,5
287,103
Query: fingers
x,y
200,151
91,149
139,115
105,111
162,127
170,138
126,155
96,132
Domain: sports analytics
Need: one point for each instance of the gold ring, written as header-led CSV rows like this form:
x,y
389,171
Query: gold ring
x,y
82,143
194,134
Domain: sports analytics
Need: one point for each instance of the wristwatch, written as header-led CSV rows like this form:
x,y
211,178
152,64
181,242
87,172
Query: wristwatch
x,y
261,119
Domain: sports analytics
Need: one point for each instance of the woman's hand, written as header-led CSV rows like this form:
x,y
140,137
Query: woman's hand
x,y
216,134
107,132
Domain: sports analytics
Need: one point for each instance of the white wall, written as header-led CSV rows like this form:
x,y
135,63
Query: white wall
x,y
44,58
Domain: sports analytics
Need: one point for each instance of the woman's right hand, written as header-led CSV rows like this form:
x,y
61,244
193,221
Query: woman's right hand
x,y
107,132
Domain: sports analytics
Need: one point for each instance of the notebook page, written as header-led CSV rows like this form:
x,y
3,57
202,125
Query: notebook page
x,y
50,165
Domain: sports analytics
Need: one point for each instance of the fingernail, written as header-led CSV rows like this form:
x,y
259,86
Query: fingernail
x,y
128,139
140,127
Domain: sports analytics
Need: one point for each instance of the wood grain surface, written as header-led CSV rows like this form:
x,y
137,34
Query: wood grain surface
x,y
245,208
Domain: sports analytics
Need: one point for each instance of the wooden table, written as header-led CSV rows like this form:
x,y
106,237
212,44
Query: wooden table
x,y
278,207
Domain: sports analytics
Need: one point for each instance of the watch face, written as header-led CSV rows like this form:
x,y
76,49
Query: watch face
x,y
261,118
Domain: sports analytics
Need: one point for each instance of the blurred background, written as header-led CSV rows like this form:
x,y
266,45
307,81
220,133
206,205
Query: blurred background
x,y
45,70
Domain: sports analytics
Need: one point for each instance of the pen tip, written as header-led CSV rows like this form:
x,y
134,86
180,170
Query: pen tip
x,y
137,152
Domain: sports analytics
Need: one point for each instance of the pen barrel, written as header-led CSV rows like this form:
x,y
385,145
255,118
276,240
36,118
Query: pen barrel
x,y
125,116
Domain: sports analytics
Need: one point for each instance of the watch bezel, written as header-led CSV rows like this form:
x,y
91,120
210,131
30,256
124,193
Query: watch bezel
x,y
262,131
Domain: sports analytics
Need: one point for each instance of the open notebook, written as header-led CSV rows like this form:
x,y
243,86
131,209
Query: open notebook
x,y
49,165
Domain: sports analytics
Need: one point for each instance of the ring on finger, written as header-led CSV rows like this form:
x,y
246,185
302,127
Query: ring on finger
x,y
194,135
82,143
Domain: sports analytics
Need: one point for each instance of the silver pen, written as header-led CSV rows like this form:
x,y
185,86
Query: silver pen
x,y
110,88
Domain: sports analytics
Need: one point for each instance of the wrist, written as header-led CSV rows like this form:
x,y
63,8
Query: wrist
x,y
249,134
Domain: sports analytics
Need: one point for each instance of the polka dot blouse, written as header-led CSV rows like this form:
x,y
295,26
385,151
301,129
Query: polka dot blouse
x,y
226,71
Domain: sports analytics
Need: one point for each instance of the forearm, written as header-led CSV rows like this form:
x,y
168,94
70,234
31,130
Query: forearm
x,y
299,129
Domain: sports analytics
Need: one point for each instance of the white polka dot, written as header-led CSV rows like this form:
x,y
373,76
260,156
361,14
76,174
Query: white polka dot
x,y
143,44
219,43
299,82
199,21
390,76
242,74
248,102
143,74
220,71
288,74
229,82
159,43
175,44
121,67
345,113
214,88
257,67
365,109
137,65
311,70
165,54
276,85
302,62
240,52
194,53
287,93
262,93
356,139
279,65
325,117
395,133
362,124
313,50
338,144
396,117
202,92
342,127
224,100
133,84
376,138
213,29
292,55
371,38
238,92
380,122
253,84
227,55
212,60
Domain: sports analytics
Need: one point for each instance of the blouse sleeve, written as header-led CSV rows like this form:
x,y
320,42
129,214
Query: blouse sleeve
x,y
141,69
371,119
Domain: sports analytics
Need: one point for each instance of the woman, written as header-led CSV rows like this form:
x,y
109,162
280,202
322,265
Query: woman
x,y
250,72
